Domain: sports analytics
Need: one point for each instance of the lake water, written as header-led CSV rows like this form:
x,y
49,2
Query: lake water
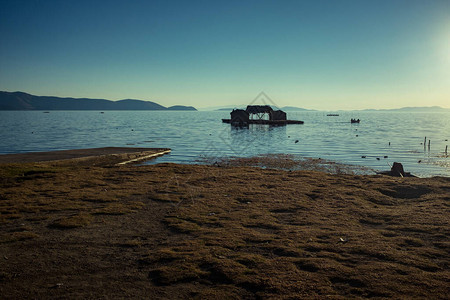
x,y
193,135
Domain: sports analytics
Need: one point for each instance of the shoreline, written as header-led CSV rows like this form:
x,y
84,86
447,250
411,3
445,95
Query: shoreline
x,y
184,231
139,155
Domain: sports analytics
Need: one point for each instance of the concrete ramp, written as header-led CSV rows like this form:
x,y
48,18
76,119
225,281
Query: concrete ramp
x,y
118,155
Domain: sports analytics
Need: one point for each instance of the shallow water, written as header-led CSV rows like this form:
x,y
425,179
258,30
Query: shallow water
x,y
194,135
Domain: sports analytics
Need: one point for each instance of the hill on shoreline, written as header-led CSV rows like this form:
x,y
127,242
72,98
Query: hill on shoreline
x,y
24,101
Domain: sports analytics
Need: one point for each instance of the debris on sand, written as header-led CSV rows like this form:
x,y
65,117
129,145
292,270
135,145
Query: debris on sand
x,y
397,171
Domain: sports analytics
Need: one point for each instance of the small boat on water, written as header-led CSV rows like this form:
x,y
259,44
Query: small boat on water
x,y
332,115
355,120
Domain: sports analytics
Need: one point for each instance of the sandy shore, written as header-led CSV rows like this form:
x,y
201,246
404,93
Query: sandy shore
x,y
169,231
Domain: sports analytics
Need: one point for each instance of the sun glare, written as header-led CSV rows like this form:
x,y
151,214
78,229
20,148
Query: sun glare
x,y
444,46
446,50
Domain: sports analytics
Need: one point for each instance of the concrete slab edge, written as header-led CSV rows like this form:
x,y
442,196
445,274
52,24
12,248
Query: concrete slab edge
x,y
145,157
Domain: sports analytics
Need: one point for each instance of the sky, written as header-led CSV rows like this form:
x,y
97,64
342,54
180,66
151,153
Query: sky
x,y
313,54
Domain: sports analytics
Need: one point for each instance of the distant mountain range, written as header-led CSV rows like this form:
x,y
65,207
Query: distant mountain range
x,y
284,108
413,109
403,109
24,101
294,108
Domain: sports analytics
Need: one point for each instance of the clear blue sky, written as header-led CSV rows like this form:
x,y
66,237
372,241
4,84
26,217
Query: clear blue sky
x,y
313,54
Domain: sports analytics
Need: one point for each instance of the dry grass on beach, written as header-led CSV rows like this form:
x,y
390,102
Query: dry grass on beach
x,y
188,231
288,162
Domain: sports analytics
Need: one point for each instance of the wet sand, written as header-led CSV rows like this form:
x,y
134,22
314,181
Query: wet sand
x,y
169,231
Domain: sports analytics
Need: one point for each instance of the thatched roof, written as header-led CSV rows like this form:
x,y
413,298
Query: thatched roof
x,y
257,109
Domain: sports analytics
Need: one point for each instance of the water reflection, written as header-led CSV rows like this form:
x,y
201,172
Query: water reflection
x,y
257,139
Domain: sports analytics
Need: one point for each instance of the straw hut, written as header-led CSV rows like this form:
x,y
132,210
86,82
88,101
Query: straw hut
x,y
277,115
239,117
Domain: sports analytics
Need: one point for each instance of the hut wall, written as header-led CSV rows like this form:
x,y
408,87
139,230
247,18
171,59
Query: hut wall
x,y
239,116
277,115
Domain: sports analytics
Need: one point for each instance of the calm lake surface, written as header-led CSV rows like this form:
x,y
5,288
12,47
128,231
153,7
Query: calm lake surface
x,y
194,135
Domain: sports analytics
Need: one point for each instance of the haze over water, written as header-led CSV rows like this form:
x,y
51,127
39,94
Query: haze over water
x,y
195,135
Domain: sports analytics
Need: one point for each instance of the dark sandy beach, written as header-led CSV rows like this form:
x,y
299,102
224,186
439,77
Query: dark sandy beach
x,y
92,229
